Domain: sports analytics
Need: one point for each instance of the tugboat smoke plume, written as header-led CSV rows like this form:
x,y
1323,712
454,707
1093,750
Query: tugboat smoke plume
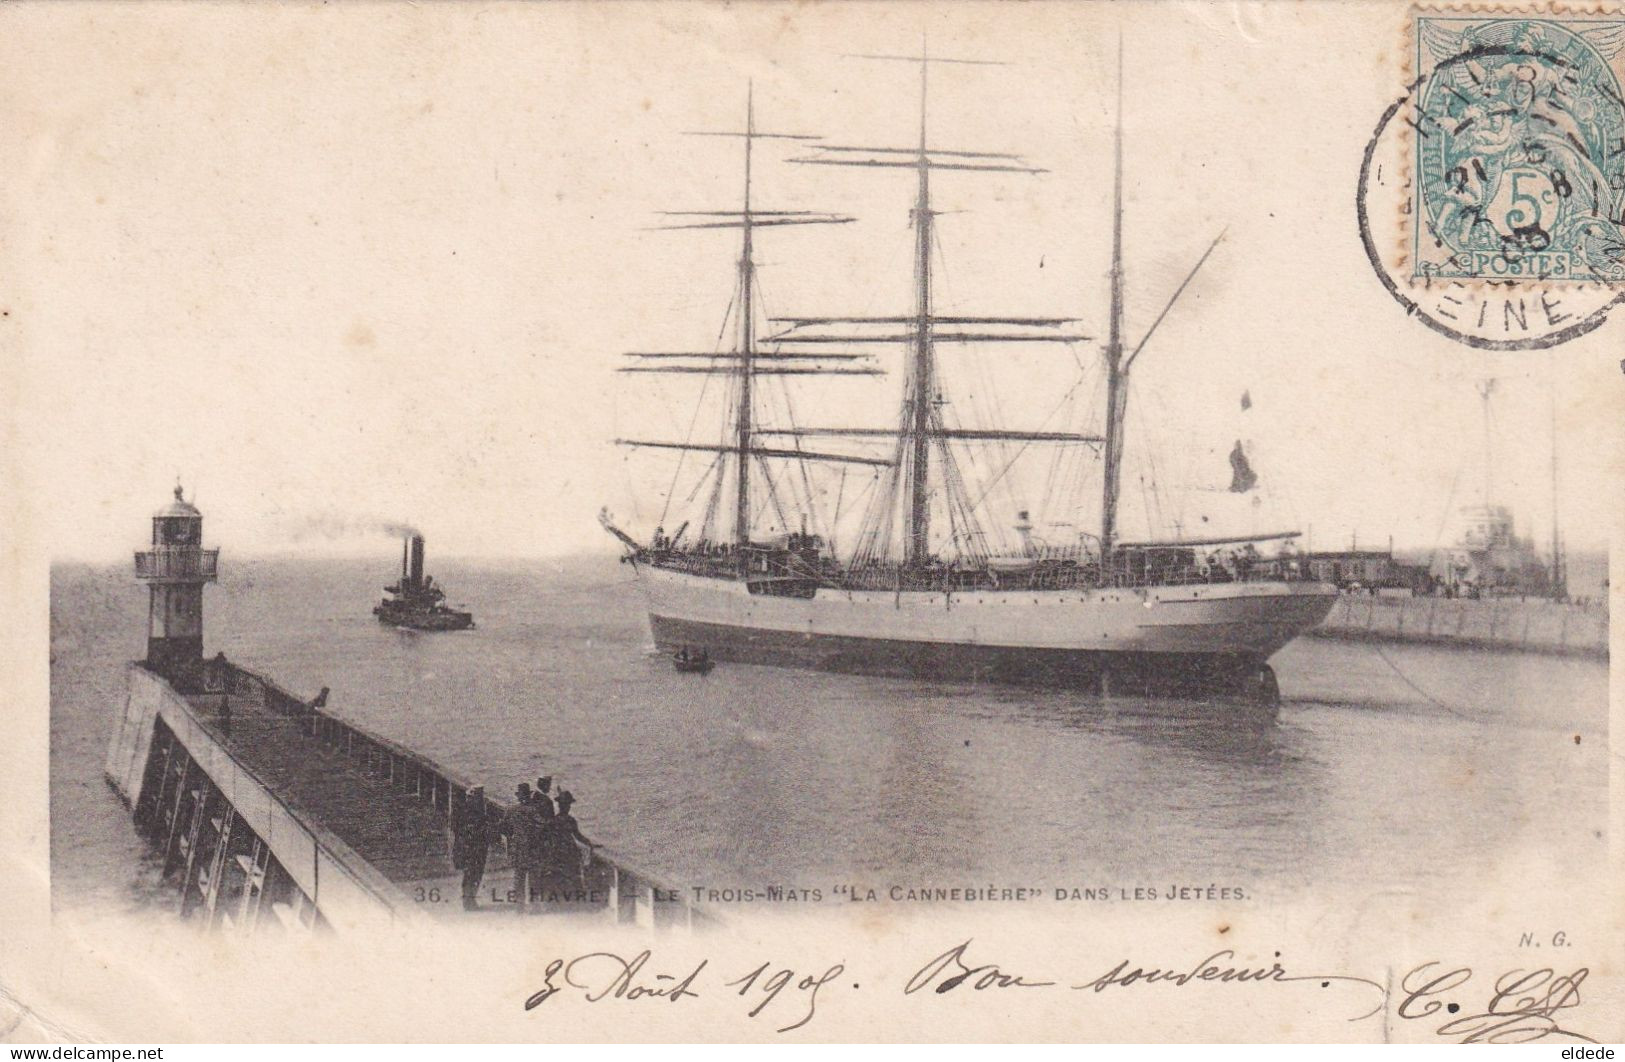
x,y
332,526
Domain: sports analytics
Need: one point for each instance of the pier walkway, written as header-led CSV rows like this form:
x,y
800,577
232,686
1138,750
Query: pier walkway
x,y
262,802
396,830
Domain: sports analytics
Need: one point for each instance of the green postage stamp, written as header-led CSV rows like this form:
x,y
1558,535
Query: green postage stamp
x,y
1518,134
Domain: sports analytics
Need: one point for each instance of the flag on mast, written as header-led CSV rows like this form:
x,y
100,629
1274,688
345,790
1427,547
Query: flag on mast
x,y
1242,476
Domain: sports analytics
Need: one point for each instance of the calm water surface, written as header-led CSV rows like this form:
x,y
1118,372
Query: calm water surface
x,y
1383,765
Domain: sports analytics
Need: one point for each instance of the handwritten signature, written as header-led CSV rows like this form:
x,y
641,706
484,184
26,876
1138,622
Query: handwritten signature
x,y
1522,1008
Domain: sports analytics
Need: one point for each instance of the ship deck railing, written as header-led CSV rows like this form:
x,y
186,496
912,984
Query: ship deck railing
x,y
769,573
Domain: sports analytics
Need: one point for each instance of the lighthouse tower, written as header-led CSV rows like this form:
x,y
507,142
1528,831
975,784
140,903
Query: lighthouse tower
x,y
175,569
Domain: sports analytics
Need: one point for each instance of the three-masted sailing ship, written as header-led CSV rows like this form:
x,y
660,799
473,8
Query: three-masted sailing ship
x,y
912,598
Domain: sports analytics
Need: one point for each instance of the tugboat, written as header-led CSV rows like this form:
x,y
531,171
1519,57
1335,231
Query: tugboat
x,y
416,601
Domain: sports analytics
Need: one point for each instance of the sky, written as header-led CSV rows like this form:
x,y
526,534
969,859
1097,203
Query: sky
x,y
342,267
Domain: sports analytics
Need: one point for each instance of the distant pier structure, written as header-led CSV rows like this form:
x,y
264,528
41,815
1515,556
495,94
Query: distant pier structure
x,y
271,812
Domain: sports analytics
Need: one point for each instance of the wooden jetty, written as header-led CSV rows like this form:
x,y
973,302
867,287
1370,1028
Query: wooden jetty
x,y
269,809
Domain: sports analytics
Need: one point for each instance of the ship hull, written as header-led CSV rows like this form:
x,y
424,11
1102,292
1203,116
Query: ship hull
x,y
425,621
1213,637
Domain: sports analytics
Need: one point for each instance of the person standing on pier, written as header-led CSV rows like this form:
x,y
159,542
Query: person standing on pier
x,y
560,855
539,812
516,827
566,823
217,677
472,845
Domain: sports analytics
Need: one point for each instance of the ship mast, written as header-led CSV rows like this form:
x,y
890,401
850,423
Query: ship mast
x,y
1559,581
921,428
1486,387
746,362
1116,372
747,340
1117,366
920,390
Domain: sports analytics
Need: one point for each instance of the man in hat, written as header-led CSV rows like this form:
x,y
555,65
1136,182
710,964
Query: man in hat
x,y
471,845
544,785
561,856
537,813
516,827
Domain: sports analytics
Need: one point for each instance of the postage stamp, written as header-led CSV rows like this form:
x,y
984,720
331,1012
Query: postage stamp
x,y
1491,195
1519,139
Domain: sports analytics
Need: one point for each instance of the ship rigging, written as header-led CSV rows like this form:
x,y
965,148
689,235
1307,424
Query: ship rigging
x,y
717,593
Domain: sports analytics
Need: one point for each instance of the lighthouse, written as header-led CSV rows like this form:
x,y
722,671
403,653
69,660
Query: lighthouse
x,y
175,569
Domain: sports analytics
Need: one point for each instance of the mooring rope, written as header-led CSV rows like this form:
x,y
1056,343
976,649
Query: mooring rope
x,y
1425,694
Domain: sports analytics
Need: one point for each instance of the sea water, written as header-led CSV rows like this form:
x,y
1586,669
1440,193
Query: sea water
x,y
1383,764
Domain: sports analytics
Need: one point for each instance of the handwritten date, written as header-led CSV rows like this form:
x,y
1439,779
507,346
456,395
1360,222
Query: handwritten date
x,y
602,975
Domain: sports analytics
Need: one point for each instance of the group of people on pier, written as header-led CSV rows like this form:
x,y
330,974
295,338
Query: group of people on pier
x,y
545,844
